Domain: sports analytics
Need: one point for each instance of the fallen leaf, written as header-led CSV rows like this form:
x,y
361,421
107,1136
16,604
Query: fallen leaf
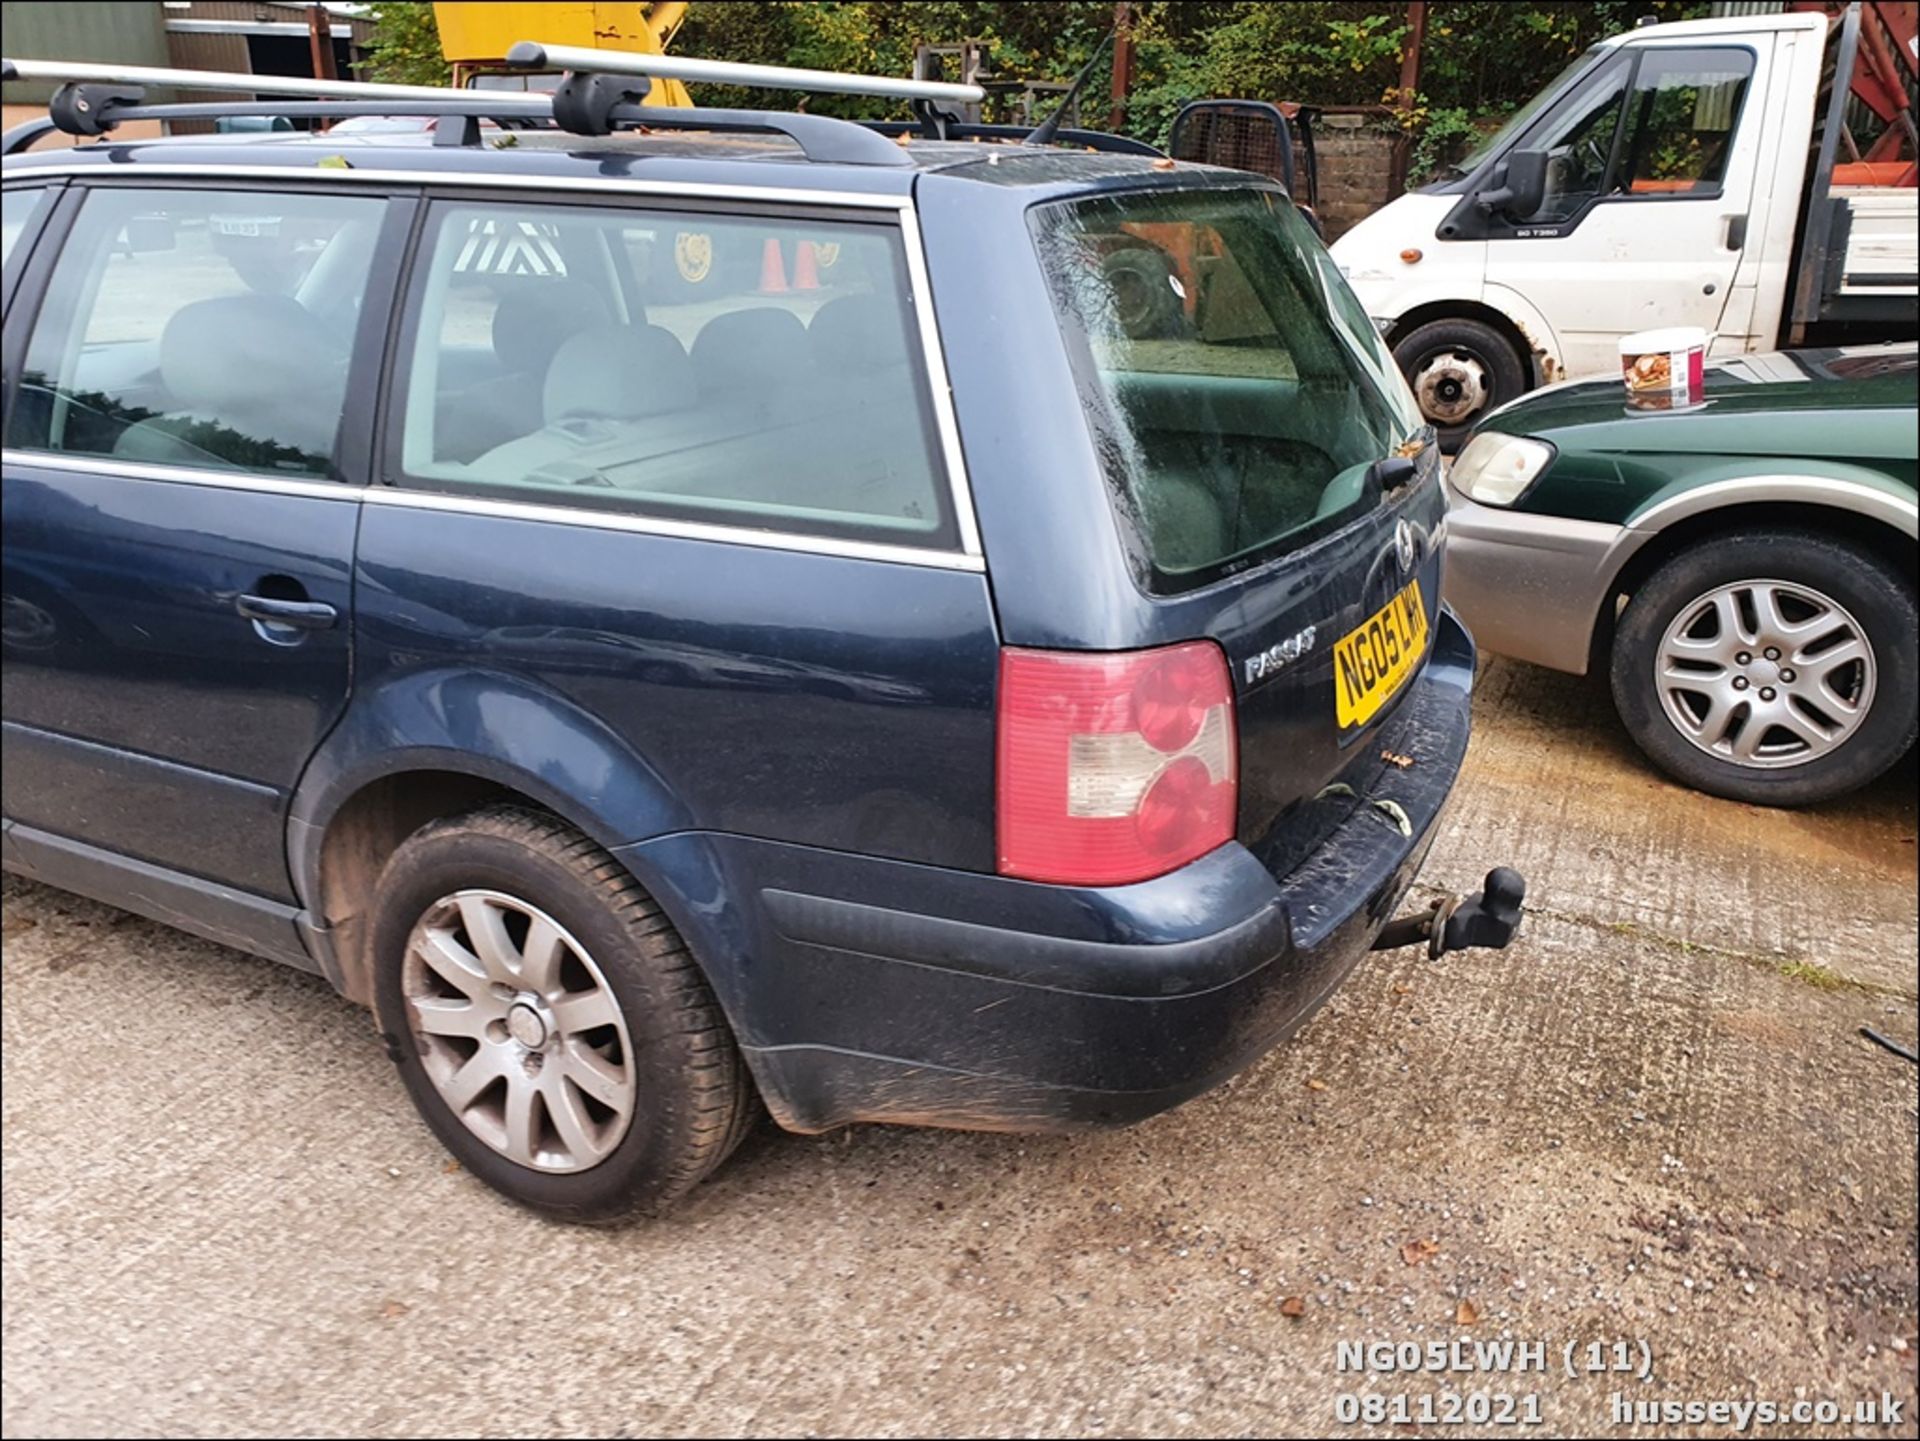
x,y
394,1309
1466,1313
450,1167
1293,1306
1401,988
1393,811
1316,1084
1395,759
1414,1252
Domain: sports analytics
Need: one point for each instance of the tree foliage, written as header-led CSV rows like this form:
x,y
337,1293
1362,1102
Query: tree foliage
x,y
1482,58
406,45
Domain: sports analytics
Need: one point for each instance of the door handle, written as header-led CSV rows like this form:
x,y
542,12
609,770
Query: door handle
x,y
299,614
1736,232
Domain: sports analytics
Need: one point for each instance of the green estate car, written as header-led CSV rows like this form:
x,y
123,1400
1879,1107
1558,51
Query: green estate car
x,y
1744,569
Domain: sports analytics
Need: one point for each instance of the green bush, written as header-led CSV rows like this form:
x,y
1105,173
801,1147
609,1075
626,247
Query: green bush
x,y
406,45
1482,58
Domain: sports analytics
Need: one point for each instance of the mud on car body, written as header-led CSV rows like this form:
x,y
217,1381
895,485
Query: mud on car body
x,y
949,685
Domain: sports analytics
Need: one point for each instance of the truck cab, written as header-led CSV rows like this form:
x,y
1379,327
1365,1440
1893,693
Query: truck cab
x,y
1684,174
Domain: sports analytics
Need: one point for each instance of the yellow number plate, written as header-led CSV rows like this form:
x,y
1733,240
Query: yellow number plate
x,y
1370,663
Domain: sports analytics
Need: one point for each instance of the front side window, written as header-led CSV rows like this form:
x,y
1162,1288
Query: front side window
x,y
1236,390
206,328
1577,136
721,369
1680,122
1658,123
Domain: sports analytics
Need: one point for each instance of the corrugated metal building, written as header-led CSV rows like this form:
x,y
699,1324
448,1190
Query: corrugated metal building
x,y
132,33
255,37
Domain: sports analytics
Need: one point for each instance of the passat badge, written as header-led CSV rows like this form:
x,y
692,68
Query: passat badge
x,y
1277,657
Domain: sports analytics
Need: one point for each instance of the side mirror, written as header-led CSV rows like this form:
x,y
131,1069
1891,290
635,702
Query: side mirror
x,y
1522,188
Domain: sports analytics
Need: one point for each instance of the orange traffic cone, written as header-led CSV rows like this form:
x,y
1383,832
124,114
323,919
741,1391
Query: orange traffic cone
x,y
773,270
806,276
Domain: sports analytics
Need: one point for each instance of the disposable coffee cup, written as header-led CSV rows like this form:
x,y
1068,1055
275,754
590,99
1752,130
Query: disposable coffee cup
x,y
1664,369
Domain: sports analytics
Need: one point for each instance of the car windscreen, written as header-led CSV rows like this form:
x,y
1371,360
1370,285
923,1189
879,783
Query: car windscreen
x,y
1236,390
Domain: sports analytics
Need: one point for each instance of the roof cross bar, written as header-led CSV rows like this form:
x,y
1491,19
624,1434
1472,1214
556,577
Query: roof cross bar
x,y
22,137
150,75
108,101
532,55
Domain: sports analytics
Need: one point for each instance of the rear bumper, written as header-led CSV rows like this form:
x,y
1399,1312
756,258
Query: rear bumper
x,y
866,990
1529,586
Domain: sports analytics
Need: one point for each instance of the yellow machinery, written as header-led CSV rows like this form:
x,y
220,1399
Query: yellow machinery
x,y
476,36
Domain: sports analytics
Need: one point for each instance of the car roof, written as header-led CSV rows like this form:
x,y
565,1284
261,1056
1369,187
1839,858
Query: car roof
x,y
682,157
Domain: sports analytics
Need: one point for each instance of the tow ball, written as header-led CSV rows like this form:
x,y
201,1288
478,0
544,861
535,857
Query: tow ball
x,y
1490,917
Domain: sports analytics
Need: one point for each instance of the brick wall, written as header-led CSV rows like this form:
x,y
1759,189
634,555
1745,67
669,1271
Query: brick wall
x,y
1356,172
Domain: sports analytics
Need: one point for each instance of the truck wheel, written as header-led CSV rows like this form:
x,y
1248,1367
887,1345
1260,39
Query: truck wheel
x,y
1459,370
1145,302
547,1020
1770,666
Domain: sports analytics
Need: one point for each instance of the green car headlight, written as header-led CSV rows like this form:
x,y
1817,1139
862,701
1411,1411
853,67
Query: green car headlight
x,y
1496,469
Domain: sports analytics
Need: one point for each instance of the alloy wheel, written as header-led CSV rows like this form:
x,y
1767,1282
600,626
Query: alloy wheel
x,y
519,1031
1765,673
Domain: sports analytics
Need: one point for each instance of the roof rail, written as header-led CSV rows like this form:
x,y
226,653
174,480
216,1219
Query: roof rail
x,y
93,99
963,130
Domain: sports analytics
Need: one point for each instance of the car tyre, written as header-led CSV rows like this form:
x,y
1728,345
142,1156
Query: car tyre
x,y
1691,725
1460,371
547,1020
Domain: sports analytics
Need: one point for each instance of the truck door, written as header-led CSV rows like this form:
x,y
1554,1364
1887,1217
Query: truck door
x,y
1650,178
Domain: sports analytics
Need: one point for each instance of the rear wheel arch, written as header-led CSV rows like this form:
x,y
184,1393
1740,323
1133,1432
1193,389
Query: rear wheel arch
x,y
339,848
352,843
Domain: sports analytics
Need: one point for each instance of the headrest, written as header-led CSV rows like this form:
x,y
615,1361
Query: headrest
x,y
534,318
240,351
613,372
752,354
857,332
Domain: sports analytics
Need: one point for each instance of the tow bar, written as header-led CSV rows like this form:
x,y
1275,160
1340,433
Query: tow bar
x,y
1490,917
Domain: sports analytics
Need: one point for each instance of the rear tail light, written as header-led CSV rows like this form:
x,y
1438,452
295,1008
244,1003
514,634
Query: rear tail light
x,y
1114,767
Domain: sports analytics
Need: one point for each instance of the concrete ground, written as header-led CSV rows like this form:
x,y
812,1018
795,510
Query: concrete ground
x,y
1650,1120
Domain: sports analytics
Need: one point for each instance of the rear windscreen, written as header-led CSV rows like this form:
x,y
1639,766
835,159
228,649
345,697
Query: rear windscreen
x,y
1236,390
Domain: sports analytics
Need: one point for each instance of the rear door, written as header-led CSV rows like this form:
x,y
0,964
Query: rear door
x,y
713,521
180,511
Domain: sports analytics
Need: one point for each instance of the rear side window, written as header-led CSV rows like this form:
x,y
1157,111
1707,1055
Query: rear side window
x,y
203,328
1237,392
737,371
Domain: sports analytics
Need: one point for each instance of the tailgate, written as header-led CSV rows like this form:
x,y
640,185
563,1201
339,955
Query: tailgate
x,y
1255,436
